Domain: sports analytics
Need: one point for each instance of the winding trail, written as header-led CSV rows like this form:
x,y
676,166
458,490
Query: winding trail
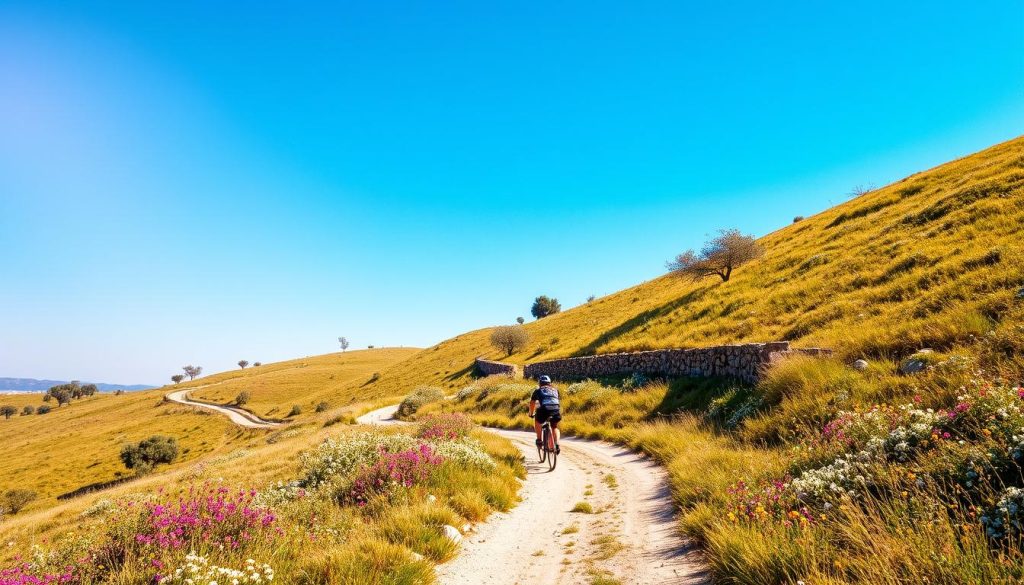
x,y
238,416
632,536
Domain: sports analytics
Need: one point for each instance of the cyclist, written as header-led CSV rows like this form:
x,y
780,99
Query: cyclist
x,y
544,406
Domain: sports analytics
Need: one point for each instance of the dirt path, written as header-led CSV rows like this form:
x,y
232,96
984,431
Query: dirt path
x,y
631,536
237,415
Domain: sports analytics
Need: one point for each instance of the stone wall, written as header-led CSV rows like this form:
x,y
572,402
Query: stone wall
x,y
489,368
745,362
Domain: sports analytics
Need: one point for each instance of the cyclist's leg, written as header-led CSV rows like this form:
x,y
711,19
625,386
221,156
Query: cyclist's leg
x,y
556,434
537,424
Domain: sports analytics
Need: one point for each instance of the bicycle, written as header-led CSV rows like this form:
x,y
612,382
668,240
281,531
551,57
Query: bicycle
x,y
544,451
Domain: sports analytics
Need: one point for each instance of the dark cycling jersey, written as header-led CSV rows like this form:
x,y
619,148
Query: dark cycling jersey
x,y
547,396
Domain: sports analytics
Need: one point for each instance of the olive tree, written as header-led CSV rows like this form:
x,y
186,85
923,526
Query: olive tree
x,y
343,343
177,378
192,371
510,338
719,257
544,306
243,363
8,410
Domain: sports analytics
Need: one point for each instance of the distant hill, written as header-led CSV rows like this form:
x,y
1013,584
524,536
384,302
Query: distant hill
x,y
34,385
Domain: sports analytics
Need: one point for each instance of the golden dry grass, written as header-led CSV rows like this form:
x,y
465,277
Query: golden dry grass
x,y
78,445
339,379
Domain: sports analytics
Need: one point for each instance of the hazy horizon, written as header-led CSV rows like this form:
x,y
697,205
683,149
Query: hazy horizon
x,y
204,184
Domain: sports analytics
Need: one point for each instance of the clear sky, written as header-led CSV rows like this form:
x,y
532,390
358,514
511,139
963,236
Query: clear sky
x,y
200,182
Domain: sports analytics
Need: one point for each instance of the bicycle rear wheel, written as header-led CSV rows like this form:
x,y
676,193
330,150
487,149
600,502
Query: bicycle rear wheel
x,y
552,459
542,452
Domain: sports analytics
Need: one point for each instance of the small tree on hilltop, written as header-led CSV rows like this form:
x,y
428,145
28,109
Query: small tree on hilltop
x,y
520,320
257,364
544,306
177,378
343,343
192,371
510,338
243,363
719,257
8,411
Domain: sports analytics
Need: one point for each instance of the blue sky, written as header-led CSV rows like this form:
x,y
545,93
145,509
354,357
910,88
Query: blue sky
x,y
199,183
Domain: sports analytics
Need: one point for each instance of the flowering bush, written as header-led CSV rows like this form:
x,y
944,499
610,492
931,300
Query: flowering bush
x,y
24,574
198,569
334,458
208,515
465,453
1006,518
447,426
394,470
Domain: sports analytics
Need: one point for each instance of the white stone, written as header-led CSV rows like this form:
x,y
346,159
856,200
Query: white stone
x,y
860,365
452,533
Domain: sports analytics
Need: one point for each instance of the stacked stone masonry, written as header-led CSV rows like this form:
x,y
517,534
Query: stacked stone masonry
x,y
744,362
489,368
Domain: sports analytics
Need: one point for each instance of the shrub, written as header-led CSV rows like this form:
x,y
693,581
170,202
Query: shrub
x,y
544,306
393,471
257,364
15,500
8,411
798,219
322,406
374,378
148,453
243,398
520,320
510,338
43,409
29,409
582,508
419,397
177,378
295,411
447,426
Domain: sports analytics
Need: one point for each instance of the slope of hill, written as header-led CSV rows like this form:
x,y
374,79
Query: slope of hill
x,y
821,472
77,446
337,379
930,261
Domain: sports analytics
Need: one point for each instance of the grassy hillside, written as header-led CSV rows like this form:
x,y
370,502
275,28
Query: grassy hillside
x,y
821,472
339,379
78,445
315,502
